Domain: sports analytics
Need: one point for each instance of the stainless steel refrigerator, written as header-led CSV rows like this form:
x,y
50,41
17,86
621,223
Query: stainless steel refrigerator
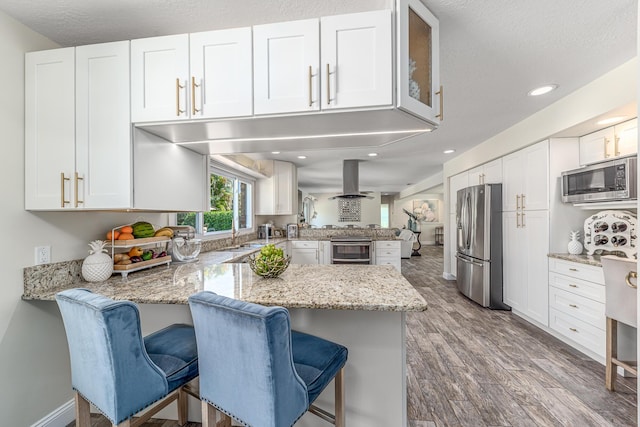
x,y
479,244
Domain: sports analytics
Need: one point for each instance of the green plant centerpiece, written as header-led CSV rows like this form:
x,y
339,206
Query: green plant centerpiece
x,y
269,262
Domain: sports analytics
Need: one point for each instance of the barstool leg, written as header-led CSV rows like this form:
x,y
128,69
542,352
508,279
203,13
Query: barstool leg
x,y
208,415
83,411
339,399
183,407
612,352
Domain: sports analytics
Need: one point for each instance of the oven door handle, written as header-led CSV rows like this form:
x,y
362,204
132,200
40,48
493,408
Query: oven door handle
x,y
351,243
354,260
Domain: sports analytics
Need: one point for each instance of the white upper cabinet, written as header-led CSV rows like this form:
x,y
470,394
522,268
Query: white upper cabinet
x,y
525,176
286,70
278,194
342,61
419,90
192,76
160,78
488,173
103,130
49,128
77,128
356,54
615,141
626,138
221,80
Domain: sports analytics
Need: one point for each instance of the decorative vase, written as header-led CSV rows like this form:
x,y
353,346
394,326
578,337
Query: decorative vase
x,y
98,266
574,247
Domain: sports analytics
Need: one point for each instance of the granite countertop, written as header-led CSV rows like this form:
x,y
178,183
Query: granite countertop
x,y
340,287
581,259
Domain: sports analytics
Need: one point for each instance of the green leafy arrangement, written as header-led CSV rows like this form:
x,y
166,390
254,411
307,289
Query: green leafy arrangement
x,y
269,262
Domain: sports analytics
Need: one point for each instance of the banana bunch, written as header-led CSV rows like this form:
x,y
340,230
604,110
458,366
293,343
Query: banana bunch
x,y
164,232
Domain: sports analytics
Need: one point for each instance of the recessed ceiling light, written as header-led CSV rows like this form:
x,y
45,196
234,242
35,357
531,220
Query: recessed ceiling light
x,y
372,154
611,120
275,152
542,90
302,157
449,151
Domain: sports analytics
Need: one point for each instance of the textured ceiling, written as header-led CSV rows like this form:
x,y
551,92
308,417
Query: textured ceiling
x,y
492,53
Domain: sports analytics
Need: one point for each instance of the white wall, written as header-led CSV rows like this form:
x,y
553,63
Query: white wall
x,y
613,90
327,211
400,219
34,361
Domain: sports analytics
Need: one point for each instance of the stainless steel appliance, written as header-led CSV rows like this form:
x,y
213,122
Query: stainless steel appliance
x,y
292,231
479,244
601,182
265,231
351,250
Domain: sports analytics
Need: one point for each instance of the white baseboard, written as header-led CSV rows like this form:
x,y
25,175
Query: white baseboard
x,y
448,276
60,417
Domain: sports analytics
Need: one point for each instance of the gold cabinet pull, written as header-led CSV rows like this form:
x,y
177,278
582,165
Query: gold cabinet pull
x,y
518,220
523,224
75,187
522,197
606,152
573,269
441,93
571,285
573,329
310,91
178,87
194,85
328,86
62,180
631,275
573,306
517,201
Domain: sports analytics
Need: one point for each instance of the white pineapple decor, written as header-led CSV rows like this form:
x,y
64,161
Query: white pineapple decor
x,y
98,266
575,247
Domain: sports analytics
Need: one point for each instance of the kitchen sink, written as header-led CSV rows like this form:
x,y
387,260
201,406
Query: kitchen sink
x,y
243,248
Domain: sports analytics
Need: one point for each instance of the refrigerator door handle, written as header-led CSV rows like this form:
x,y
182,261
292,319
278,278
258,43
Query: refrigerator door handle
x,y
468,261
467,233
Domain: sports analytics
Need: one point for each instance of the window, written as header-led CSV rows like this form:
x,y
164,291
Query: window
x,y
384,215
231,204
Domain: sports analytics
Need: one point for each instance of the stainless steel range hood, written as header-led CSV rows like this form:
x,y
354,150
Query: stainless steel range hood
x,y
296,132
350,182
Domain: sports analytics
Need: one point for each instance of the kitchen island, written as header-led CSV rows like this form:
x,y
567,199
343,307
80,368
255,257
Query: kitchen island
x,y
362,307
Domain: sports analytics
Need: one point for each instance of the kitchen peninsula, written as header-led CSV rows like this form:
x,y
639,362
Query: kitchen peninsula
x,y
362,307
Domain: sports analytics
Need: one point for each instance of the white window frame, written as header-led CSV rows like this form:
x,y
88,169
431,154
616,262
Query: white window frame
x,y
238,178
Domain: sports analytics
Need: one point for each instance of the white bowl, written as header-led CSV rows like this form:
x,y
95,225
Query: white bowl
x,y
184,250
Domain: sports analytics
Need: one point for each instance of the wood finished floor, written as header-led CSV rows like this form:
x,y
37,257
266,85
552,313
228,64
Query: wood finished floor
x,y
469,366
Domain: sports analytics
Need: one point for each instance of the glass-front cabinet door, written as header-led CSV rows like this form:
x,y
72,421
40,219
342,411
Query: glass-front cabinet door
x,y
419,61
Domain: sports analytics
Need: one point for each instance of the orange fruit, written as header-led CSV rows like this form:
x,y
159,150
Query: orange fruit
x,y
126,229
113,235
125,236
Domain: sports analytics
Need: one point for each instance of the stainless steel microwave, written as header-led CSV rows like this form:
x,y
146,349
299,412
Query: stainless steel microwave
x,y
601,182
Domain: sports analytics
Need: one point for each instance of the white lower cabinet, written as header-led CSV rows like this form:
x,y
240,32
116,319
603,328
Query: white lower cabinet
x,y
525,264
577,304
388,253
325,252
305,252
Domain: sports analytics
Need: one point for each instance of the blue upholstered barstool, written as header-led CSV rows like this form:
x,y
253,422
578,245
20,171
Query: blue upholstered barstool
x,y
258,371
117,370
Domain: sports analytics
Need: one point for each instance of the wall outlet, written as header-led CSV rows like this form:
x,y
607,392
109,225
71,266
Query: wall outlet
x,y
43,255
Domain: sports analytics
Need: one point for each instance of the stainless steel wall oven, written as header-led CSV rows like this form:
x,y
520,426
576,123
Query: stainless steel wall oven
x,y
351,250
